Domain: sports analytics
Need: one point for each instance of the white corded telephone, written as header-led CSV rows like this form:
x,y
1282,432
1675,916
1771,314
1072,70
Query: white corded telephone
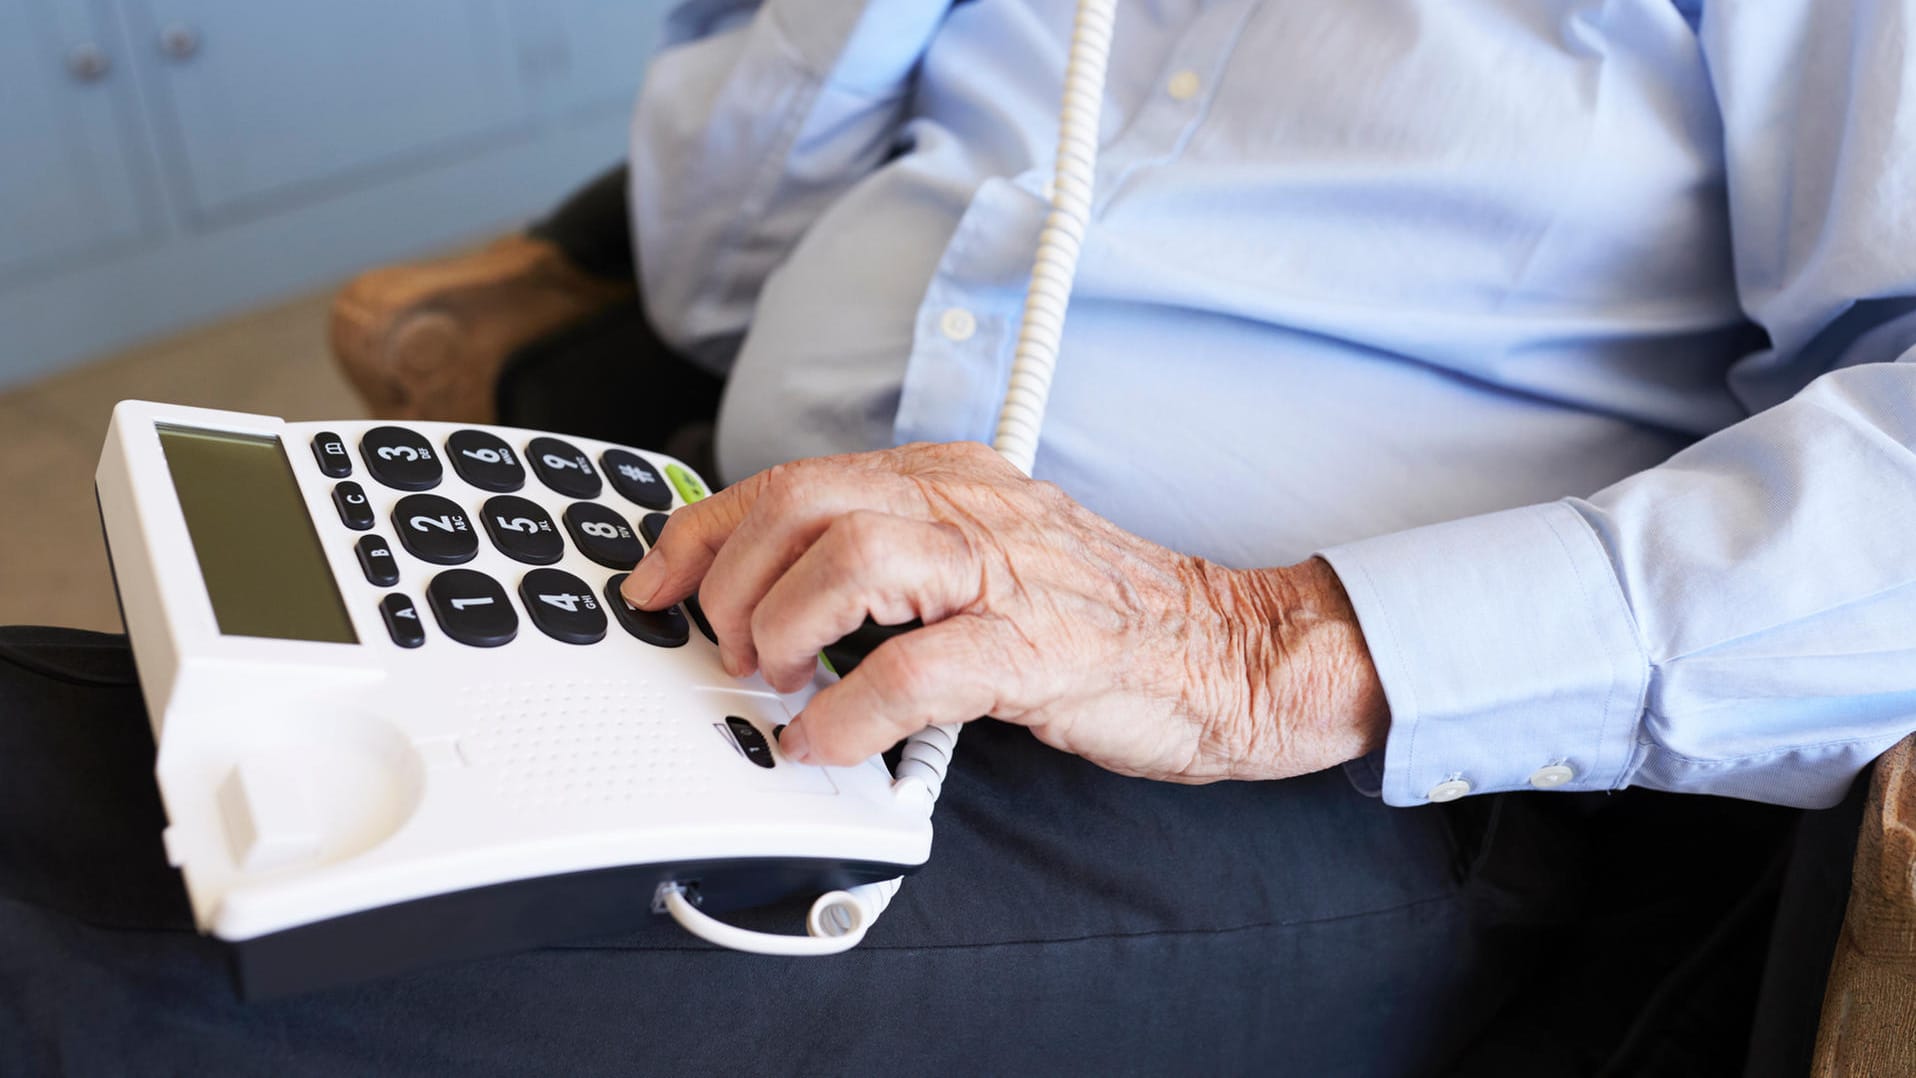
x,y
356,782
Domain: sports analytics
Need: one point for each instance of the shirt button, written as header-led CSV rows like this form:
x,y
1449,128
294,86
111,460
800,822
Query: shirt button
x,y
957,324
1551,776
1448,791
1184,86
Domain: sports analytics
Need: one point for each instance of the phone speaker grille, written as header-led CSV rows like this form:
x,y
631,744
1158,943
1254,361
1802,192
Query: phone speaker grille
x,y
583,742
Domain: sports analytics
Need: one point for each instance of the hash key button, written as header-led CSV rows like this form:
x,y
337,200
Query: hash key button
x,y
564,468
522,530
402,620
485,461
563,606
635,479
329,450
603,535
434,529
400,458
472,608
376,558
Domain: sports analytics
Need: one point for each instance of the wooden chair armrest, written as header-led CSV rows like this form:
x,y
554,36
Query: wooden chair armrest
x,y
1869,1006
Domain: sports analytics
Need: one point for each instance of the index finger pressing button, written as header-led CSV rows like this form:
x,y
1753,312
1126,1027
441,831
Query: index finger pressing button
x,y
660,628
400,458
561,466
472,608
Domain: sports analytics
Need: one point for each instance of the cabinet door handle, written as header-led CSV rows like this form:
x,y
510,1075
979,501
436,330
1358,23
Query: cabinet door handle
x,y
179,41
88,62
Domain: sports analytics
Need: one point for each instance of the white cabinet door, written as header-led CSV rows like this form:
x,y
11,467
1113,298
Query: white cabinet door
x,y
577,54
66,186
271,101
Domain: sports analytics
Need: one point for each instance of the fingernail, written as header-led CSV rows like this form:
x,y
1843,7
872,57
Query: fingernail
x,y
797,747
730,662
645,580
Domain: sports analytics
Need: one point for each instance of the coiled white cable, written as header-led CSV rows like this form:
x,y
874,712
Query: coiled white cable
x,y
839,920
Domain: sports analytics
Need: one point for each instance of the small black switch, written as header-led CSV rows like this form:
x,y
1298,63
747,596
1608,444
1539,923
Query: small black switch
x,y
376,558
329,450
750,740
354,510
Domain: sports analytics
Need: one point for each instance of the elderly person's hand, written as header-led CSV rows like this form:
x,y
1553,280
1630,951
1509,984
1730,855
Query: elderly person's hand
x,y
1036,611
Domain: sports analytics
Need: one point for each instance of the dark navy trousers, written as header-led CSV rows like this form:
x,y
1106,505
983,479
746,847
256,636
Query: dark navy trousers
x,y
1070,921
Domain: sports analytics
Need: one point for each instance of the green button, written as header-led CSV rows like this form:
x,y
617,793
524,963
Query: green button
x,y
685,483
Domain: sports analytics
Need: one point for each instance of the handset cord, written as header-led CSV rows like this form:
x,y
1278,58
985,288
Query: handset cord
x,y
838,920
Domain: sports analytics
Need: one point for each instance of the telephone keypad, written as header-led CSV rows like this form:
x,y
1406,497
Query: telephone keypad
x,y
603,535
443,529
563,606
376,558
472,608
636,479
354,510
402,620
485,461
522,530
435,529
401,459
561,466
661,628
329,450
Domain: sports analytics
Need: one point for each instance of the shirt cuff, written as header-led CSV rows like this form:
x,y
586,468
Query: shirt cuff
x,y
1507,652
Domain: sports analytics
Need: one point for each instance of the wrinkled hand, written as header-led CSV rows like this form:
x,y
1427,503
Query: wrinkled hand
x,y
1036,611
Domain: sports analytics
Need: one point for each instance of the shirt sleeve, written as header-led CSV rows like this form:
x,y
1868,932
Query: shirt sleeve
x,y
752,120
1740,620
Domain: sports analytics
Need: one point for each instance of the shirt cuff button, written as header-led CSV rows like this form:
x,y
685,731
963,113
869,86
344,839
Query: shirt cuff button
x,y
1551,776
1449,790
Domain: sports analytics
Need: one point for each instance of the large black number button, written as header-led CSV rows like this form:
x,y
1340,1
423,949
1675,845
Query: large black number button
x,y
485,461
435,529
603,535
354,510
400,458
472,608
402,620
376,558
661,628
522,529
650,525
563,606
563,468
329,450
636,479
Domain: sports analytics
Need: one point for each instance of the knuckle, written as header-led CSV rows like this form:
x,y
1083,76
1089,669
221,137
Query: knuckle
x,y
859,539
904,674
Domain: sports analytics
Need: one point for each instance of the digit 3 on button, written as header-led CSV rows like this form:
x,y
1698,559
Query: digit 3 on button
x,y
400,458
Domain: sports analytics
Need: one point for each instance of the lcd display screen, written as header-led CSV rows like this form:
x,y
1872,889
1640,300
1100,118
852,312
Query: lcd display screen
x,y
258,552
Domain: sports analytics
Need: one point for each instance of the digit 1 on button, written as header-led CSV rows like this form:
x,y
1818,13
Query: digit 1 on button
x,y
471,607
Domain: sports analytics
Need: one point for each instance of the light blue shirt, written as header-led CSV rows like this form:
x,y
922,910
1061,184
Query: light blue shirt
x,y
1575,334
